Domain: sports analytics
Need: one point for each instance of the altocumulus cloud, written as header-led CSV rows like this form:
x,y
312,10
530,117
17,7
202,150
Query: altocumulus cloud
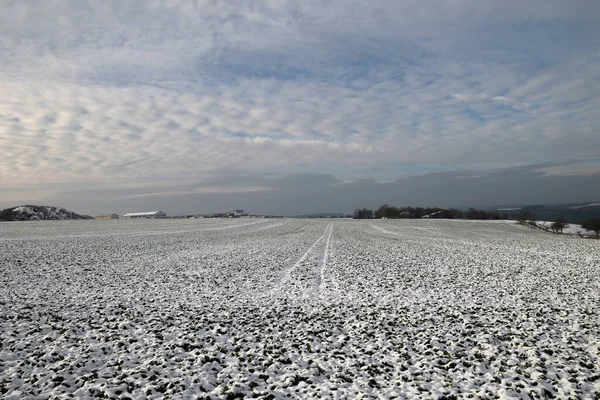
x,y
180,99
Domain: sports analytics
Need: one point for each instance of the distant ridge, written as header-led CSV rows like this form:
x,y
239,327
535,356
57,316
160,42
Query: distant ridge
x,y
573,213
320,215
585,205
38,213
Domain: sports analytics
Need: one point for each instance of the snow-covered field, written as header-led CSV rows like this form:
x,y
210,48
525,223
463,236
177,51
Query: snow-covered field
x,y
570,229
297,309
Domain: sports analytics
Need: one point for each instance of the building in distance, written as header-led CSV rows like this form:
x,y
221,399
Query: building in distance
x,y
235,214
108,216
146,215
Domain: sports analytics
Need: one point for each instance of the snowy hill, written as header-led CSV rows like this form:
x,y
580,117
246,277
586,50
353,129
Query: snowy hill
x,y
36,213
570,229
572,213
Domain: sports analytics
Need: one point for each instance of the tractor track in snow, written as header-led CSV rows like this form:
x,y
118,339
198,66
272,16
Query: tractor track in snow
x,y
313,252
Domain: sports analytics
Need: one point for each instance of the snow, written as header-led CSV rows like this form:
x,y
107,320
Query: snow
x,y
44,213
140,214
299,308
570,229
432,214
586,205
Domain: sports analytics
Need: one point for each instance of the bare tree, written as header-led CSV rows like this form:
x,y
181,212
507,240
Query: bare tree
x,y
524,216
592,224
558,225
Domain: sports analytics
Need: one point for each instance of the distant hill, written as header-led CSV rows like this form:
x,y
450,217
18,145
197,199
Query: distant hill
x,y
320,215
574,213
37,213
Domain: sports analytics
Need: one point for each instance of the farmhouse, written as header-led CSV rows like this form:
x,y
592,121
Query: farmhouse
x,y
235,214
108,216
147,215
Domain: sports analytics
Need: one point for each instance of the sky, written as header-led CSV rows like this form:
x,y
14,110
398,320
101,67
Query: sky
x,y
296,107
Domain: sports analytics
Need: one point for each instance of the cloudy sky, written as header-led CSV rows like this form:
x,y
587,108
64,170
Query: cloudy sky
x,y
294,107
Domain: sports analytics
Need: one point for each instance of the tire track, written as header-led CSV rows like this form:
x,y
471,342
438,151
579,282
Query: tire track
x,y
322,265
285,279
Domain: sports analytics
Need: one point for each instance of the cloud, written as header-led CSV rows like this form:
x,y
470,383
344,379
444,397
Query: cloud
x,y
308,193
148,96
214,189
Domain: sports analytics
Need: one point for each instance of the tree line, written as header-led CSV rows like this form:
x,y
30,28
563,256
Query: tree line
x,y
391,212
524,217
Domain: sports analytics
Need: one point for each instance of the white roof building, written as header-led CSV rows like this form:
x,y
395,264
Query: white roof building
x,y
148,214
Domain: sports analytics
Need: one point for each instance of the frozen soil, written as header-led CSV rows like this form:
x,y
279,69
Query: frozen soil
x,y
297,309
